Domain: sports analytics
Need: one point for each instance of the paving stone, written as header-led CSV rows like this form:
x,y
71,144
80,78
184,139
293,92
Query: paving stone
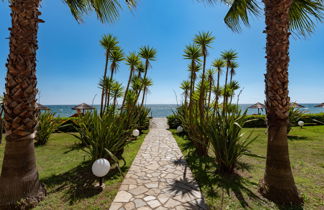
x,y
129,206
122,197
139,203
154,203
115,206
148,198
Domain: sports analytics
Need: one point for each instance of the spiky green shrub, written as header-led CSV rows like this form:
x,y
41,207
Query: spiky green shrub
x,y
173,121
228,143
46,126
104,136
142,117
294,116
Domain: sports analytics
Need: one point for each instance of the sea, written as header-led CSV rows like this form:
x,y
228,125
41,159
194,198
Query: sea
x,y
164,110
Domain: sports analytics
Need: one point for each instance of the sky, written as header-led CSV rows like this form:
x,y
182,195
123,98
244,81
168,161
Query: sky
x,y
70,60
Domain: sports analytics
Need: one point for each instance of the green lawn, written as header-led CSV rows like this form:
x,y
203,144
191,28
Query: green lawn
x,y
66,172
306,147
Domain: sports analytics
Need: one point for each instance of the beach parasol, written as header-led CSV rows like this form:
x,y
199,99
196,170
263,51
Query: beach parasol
x,y
320,105
82,107
258,106
295,105
41,107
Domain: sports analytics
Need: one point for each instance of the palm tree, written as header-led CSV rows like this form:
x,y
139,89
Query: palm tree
x,y
148,54
19,177
137,85
117,92
109,43
233,66
185,86
229,57
281,18
132,60
146,83
203,39
116,56
210,79
218,64
193,53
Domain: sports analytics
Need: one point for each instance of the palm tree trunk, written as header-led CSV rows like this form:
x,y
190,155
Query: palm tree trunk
x,y
210,92
217,90
144,93
126,91
114,103
19,176
110,85
192,87
225,89
278,184
103,89
202,90
145,74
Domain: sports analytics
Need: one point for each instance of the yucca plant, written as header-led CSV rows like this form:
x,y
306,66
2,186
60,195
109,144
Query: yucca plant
x,y
46,126
294,115
104,136
228,143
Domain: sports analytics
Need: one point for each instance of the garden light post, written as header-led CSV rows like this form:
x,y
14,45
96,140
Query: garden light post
x,y
301,124
179,129
100,168
136,133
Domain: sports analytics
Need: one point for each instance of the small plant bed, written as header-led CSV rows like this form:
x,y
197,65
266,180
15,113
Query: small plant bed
x,y
240,190
65,170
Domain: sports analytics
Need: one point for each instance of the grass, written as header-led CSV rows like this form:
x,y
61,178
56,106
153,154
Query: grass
x,y
306,148
65,170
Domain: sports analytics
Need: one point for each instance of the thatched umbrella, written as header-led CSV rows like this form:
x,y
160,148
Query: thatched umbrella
x,y
82,107
258,106
295,105
41,107
320,105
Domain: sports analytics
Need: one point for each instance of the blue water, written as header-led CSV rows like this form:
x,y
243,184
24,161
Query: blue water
x,y
163,110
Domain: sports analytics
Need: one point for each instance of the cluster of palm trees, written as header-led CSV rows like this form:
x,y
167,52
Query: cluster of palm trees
x,y
203,91
138,83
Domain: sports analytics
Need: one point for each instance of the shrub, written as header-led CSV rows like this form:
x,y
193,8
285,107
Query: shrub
x,y
224,133
103,136
142,117
173,121
46,126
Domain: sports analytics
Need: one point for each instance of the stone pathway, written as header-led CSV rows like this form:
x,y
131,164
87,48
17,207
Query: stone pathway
x,y
158,178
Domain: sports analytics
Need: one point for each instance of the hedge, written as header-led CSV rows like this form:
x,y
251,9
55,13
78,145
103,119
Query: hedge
x,y
258,121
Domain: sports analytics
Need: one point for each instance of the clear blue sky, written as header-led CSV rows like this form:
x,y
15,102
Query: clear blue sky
x,y
71,61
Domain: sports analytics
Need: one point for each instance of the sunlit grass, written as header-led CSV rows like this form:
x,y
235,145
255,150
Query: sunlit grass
x,y
306,148
66,172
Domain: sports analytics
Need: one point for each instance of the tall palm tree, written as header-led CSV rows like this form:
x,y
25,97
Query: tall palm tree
x,y
218,64
19,176
229,57
281,18
148,54
132,60
203,39
233,66
109,43
137,85
193,53
117,92
185,86
210,79
146,84
116,56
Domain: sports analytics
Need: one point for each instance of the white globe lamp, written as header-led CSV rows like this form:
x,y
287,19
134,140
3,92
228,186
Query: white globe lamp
x,y
179,129
301,124
136,132
100,168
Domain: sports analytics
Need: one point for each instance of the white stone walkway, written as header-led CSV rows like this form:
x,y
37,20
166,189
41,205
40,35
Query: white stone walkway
x,y
159,178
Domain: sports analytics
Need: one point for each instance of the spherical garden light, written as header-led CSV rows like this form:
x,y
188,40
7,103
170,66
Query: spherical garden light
x,y
136,132
100,168
301,124
179,129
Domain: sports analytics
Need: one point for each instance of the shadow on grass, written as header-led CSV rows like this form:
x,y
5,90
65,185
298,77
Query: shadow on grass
x,y
77,183
293,138
216,185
